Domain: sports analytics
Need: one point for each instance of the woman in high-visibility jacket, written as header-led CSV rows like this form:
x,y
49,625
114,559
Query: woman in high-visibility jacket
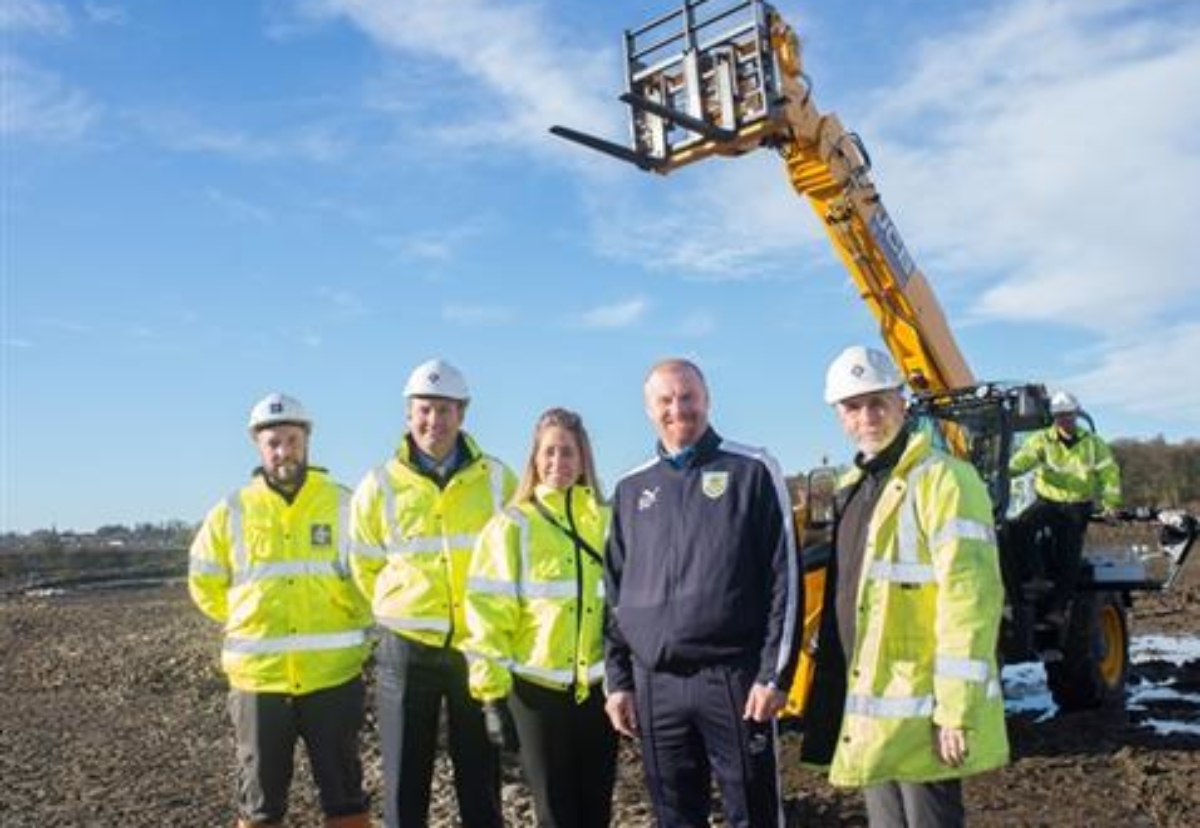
x,y
535,610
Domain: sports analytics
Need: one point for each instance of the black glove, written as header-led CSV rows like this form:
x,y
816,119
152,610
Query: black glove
x,y
501,730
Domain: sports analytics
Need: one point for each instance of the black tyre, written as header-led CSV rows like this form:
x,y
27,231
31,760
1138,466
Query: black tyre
x,y
1095,661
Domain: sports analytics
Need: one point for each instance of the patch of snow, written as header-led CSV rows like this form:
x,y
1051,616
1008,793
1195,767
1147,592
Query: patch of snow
x,y
1169,648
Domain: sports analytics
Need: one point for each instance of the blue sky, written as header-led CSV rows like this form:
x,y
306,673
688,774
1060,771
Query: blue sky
x,y
203,202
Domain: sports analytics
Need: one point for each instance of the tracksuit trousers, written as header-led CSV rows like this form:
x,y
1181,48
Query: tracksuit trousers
x,y
412,681
568,754
692,729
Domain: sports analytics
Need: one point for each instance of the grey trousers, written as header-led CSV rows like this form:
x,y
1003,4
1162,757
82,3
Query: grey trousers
x,y
267,726
915,804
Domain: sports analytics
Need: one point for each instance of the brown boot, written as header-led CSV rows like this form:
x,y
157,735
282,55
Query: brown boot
x,y
245,823
349,821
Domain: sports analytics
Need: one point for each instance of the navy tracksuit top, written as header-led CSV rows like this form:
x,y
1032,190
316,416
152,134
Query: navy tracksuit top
x,y
701,567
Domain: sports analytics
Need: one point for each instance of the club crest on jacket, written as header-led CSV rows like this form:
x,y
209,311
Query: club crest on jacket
x,y
714,484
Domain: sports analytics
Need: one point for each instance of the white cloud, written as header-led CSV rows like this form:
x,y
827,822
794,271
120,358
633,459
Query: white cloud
x,y
431,247
620,315
734,221
476,315
1046,162
47,19
17,342
106,14
522,72
525,77
343,303
1050,150
238,208
312,143
435,245
1153,376
40,105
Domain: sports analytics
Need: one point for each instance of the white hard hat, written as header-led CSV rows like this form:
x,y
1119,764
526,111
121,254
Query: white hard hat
x,y
858,370
437,378
1063,403
275,409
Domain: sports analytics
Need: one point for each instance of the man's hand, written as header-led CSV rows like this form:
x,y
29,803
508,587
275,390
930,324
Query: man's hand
x,y
622,713
950,745
500,727
763,703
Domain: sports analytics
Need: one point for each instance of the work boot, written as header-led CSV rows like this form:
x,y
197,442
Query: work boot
x,y
349,821
245,823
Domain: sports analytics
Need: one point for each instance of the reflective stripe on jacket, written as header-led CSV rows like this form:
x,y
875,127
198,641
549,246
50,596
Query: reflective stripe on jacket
x,y
535,602
929,604
413,540
277,575
1084,471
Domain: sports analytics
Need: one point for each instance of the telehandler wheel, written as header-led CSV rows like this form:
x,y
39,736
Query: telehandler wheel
x,y
1095,663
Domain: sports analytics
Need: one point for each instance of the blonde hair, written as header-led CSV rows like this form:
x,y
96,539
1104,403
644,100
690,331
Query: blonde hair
x,y
570,422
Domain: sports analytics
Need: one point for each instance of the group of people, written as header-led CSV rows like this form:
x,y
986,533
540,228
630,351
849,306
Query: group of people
x,y
548,620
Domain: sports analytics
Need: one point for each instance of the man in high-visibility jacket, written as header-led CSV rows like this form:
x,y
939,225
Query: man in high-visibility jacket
x,y
1074,473
415,520
272,564
906,699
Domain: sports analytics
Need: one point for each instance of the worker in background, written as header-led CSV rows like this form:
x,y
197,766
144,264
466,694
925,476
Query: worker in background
x,y
535,612
1074,472
415,520
271,564
906,697
702,588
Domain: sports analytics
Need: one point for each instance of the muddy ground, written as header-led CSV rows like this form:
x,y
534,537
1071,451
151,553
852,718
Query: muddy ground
x,y
112,714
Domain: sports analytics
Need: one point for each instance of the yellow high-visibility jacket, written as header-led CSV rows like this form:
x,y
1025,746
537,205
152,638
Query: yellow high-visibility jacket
x,y
413,540
535,599
1085,471
277,575
929,605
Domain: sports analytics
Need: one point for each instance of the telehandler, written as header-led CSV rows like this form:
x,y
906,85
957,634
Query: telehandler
x,y
724,78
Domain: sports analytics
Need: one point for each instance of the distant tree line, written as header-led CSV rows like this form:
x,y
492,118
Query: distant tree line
x,y
170,534
1153,473
1157,473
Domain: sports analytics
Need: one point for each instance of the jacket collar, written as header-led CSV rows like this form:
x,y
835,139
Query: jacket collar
x,y
697,454
468,452
918,445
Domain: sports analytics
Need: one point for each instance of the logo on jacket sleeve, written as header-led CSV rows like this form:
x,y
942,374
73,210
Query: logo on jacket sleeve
x,y
647,498
321,534
714,484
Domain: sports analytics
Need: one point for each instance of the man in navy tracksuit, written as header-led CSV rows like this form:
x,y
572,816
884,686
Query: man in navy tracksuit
x,y
703,592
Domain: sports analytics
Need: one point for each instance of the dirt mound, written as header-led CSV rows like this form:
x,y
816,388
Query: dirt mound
x,y
113,714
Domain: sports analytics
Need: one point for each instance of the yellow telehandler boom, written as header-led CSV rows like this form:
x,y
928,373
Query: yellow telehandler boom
x,y
724,77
